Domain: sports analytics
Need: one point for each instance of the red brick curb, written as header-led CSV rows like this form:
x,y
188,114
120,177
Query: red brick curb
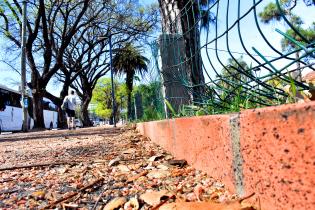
x,y
269,151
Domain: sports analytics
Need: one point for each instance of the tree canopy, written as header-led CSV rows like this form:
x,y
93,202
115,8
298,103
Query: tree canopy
x,y
103,100
63,39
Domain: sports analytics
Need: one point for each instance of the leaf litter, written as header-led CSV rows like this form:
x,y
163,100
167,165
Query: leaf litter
x,y
102,168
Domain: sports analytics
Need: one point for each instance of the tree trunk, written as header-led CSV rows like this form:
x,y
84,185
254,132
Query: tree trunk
x,y
84,110
62,119
192,47
297,75
38,112
174,90
129,105
129,84
38,91
169,11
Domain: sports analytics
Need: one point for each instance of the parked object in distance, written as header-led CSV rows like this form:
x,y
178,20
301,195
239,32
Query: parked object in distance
x,y
78,123
11,118
96,123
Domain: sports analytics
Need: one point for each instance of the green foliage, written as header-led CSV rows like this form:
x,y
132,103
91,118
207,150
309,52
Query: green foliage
x,y
151,113
288,45
103,112
233,78
129,61
141,10
170,107
192,110
188,110
103,99
152,101
270,13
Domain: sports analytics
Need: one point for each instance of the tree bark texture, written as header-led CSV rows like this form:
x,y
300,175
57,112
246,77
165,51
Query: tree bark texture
x,y
170,16
38,112
179,16
191,35
84,110
129,83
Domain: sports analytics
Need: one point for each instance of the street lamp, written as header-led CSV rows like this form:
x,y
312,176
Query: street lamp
x,y
23,68
111,74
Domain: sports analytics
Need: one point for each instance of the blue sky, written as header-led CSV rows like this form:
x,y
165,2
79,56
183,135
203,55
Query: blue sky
x,y
249,33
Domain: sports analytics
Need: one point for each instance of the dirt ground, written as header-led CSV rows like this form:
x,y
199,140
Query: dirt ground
x,y
98,168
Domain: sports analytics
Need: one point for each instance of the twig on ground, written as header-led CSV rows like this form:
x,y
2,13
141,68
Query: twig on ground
x,y
6,180
60,200
143,173
9,191
38,165
99,198
73,194
162,202
246,197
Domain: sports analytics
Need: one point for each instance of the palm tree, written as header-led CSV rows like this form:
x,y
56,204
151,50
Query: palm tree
x,y
128,60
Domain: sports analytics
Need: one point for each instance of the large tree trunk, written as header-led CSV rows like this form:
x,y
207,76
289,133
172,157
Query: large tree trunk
x,y
62,119
129,105
174,22
192,47
38,92
173,88
169,11
86,97
84,110
38,112
129,84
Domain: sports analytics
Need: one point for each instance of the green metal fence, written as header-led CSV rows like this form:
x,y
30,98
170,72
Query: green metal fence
x,y
232,55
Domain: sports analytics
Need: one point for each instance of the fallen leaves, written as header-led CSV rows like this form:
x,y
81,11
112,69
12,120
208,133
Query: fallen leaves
x,y
158,174
115,203
132,204
202,206
134,178
38,195
153,198
101,169
114,162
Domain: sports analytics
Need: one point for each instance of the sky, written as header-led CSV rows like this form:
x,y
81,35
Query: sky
x,y
249,33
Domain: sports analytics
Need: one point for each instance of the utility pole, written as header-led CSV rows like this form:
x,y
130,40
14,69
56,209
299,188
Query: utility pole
x,y
23,68
112,78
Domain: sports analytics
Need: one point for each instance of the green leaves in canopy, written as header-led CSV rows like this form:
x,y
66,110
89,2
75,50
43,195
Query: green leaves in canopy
x,y
309,34
128,60
102,97
270,13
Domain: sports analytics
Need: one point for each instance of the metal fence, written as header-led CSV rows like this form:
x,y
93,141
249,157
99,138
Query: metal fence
x,y
223,56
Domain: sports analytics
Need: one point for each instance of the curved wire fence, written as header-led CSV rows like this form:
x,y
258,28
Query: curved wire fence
x,y
220,56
